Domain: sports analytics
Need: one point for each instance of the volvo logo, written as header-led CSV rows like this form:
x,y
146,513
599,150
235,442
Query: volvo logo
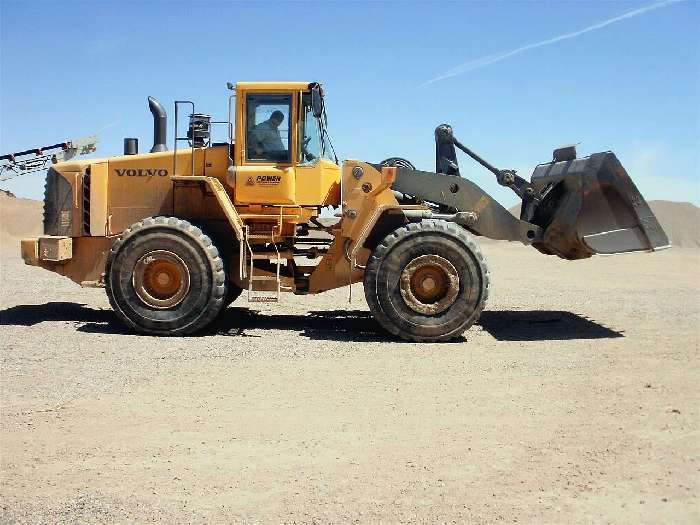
x,y
141,172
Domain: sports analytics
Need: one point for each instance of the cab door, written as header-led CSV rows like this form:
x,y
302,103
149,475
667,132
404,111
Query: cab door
x,y
265,171
318,177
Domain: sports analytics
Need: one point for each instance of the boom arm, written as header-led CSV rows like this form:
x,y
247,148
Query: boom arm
x,y
446,162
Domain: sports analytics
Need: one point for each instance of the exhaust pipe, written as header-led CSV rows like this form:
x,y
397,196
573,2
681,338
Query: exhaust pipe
x,y
160,125
131,146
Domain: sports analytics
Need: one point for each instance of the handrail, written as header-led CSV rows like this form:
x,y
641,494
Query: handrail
x,y
177,103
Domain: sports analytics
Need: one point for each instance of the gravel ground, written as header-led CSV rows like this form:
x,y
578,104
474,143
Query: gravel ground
x,y
575,399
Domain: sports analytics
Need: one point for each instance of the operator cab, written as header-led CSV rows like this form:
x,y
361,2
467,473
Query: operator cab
x,y
282,152
279,152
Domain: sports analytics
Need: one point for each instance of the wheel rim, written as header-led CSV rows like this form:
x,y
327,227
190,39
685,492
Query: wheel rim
x,y
429,284
161,279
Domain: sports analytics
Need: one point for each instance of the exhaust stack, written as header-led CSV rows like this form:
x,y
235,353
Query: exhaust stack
x,y
160,125
131,146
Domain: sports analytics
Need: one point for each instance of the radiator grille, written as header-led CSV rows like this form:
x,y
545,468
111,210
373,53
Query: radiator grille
x,y
86,202
58,205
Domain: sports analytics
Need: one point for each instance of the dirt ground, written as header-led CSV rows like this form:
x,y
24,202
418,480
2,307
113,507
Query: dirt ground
x,y
575,399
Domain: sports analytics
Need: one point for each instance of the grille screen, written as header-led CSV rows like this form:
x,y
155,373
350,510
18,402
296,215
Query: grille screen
x,y
58,205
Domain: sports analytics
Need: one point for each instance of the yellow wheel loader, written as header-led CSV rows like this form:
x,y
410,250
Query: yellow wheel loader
x,y
176,235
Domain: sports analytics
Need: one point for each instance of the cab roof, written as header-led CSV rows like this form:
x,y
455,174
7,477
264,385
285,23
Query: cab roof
x,y
296,86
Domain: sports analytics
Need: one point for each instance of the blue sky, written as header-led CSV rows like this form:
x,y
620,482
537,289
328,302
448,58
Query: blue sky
x,y
632,86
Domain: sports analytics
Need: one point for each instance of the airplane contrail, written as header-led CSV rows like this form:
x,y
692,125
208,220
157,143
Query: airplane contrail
x,y
110,125
491,59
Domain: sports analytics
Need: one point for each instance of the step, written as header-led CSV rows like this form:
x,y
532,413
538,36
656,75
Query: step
x,y
263,299
270,216
268,235
263,278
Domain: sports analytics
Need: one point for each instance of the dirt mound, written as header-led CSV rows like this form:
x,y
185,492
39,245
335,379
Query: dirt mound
x,y
19,218
680,221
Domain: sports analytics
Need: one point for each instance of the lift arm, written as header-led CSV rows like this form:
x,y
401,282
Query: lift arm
x,y
446,162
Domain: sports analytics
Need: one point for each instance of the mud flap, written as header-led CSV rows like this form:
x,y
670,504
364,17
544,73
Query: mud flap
x,y
591,206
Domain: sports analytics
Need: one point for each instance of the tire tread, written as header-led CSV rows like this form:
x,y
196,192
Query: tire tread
x,y
184,228
400,234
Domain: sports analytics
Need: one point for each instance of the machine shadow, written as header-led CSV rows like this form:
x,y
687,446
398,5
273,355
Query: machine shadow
x,y
338,325
327,325
335,325
31,314
542,325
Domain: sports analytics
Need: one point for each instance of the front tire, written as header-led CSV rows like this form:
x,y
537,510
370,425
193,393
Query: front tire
x,y
427,281
165,277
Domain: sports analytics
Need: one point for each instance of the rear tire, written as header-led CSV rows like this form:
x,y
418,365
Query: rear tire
x,y
165,277
427,281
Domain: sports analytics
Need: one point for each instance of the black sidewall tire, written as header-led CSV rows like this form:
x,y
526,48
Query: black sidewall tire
x,y
382,281
207,292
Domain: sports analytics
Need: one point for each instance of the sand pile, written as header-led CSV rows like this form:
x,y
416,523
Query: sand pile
x,y
680,221
19,218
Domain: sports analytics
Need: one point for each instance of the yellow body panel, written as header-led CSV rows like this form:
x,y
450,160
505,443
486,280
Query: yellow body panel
x,y
216,162
265,184
140,186
318,184
223,201
85,267
99,196
364,190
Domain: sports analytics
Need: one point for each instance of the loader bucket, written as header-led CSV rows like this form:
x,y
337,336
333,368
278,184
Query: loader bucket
x,y
591,206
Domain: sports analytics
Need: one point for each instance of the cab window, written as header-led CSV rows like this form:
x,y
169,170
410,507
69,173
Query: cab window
x,y
268,132
309,134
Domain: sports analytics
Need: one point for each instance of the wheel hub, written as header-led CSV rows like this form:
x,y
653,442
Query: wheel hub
x,y
161,279
429,284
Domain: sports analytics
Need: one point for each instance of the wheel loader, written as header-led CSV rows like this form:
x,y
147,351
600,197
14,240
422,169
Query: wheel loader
x,y
176,235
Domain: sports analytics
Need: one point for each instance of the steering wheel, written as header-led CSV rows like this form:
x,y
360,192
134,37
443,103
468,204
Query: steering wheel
x,y
307,154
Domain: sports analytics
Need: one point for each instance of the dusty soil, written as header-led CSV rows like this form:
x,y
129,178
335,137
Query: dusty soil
x,y
575,399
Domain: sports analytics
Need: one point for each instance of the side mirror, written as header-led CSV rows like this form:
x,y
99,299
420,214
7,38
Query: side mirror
x,y
317,101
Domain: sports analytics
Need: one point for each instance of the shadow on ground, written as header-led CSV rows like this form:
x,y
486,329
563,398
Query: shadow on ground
x,y
31,314
325,325
337,325
542,325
